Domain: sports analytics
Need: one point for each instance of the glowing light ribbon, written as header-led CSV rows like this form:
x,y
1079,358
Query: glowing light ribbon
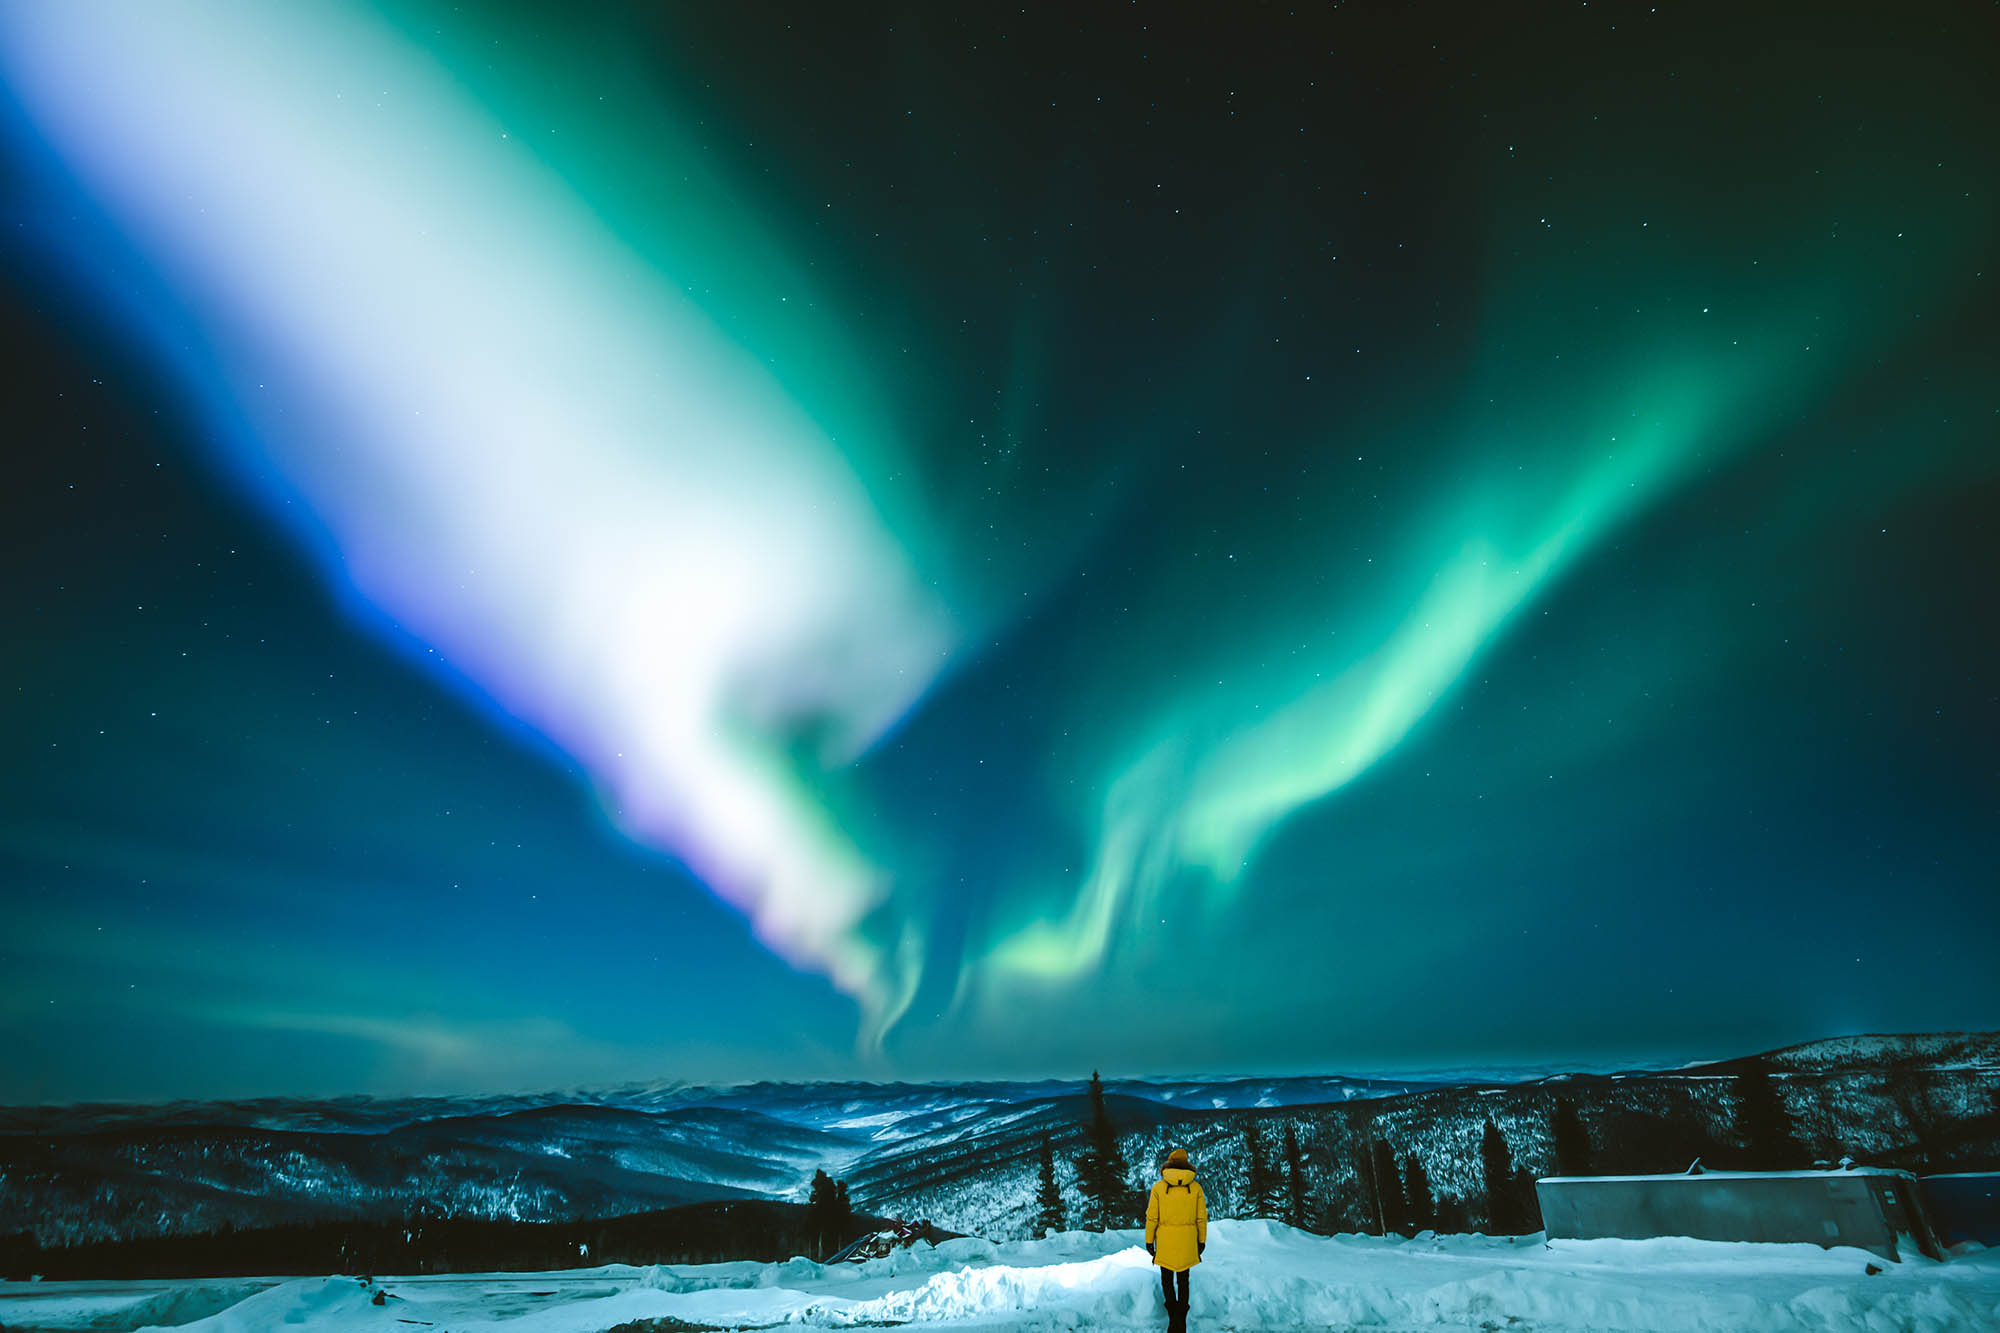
x,y
529,448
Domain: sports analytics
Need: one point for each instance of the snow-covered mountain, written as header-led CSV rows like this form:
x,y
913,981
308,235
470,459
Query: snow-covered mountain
x,y
1923,1102
830,1106
110,1171
964,1155
1940,1051
540,1164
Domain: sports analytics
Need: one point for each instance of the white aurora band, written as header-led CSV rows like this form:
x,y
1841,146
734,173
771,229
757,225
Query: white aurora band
x,y
528,447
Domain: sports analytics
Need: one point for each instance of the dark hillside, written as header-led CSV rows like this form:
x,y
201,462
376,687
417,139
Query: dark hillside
x,y
1924,1104
756,1230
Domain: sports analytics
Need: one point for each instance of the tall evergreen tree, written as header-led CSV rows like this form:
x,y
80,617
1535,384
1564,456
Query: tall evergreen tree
x,y
1101,1169
1049,1215
1572,1140
1371,1198
1295,1179
843,1214
1527,1205
1261,1185
1388,1189
822,1208
1503,1211
1763,1126
1451,1215
1419,1206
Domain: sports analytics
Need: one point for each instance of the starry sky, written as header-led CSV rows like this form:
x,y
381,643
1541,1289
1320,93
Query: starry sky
x,y
546,547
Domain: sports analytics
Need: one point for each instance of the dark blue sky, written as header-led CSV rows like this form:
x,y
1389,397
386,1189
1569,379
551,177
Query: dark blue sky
x,y
646,546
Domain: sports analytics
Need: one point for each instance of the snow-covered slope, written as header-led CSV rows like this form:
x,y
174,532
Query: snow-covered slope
x,y
92,1172
964,1155
1941,1051
1921,1103
826,1106
542,1164
1258,1275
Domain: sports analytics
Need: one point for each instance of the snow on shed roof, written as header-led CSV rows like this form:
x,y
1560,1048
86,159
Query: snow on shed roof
x,y
1706,1174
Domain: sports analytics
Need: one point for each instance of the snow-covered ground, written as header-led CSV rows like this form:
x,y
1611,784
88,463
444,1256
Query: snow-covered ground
x,y
1259,1275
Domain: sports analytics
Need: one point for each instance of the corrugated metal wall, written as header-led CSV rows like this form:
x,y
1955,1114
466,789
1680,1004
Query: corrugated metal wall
x,y
1873,1210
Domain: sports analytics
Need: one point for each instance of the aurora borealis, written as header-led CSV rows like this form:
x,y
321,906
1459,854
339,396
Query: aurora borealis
x,y
748,541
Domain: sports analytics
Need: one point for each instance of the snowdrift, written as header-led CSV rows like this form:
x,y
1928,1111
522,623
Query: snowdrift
x,y
1258,1275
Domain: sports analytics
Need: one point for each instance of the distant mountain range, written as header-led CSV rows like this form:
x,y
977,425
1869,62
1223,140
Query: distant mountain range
x,y
828,1106
963,1155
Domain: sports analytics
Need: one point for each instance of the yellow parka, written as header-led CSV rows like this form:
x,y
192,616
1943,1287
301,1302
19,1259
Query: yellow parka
x,y
1177,1219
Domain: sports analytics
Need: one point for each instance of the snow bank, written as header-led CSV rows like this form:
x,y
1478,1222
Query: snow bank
x,y
1113,1291
119,1305
1258,1276
320,1302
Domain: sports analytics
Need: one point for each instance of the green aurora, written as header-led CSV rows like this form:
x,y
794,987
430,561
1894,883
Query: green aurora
x,y
1402,541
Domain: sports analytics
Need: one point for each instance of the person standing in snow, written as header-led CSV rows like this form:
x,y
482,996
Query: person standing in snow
x,y
1176,1232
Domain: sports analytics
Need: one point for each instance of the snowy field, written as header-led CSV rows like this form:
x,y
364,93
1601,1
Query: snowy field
x,y
1259,1275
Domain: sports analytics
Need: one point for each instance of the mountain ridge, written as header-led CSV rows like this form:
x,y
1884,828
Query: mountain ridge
x,y
963,1155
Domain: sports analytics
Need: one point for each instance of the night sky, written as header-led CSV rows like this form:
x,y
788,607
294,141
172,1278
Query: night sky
x,y
550,544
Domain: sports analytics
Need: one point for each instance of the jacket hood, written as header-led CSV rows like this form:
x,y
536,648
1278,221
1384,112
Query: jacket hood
x,y
1178,1175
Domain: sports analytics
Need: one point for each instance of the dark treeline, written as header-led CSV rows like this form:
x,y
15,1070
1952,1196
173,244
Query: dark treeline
x,y
1381,1190
829,1219
695,1234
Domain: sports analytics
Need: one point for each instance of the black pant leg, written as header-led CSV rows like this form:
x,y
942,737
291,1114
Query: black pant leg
x,y
1167,1284
1183,1276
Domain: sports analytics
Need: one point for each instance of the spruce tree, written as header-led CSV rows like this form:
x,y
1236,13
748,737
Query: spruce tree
x,y
1571,1139
1370,1209
1388,1189
1763,1126
1048,1196
821,1206
1260,1184
1527,1204
1497,1164
1418,1204
843,1213
1295,1179
1451,1215
1101,1168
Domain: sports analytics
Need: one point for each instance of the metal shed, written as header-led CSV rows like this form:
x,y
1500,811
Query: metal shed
x,y
1868,1208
